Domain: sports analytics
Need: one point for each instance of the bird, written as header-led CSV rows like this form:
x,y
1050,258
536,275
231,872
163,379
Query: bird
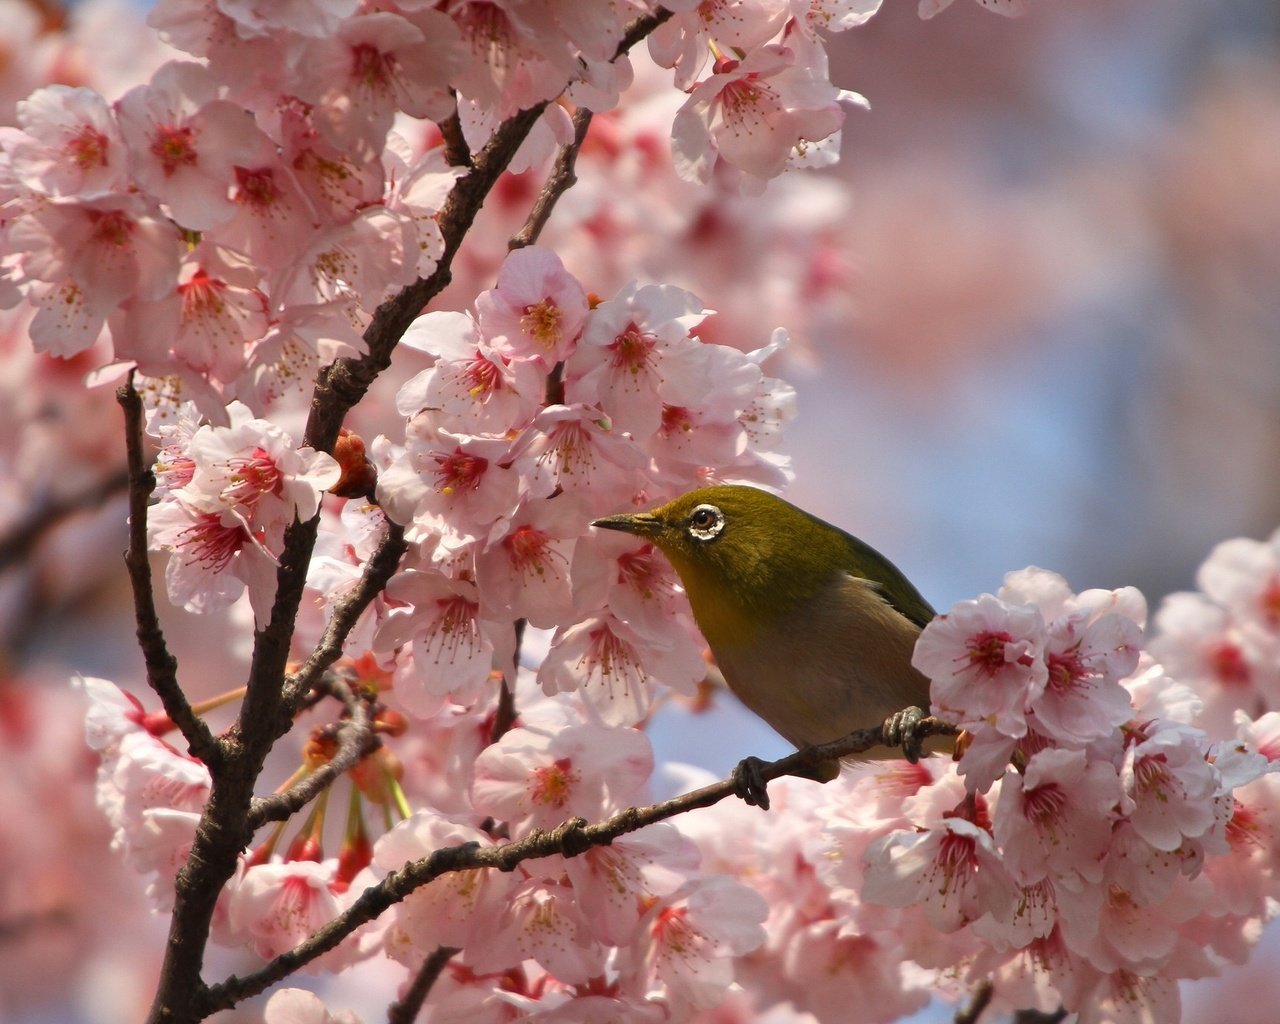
x,y
812,628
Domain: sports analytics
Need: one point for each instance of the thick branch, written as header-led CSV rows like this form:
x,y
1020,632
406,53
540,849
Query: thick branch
x,y
161,665
405,1010
561,179
570,839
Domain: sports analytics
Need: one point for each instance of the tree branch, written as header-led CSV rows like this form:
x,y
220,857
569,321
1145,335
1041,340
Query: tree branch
x,y
569,839
161,665
377,571
355,739
977,1005
405,1010
561,179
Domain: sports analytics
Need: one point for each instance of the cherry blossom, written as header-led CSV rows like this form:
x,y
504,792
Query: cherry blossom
x,y
541,780
536,309
184,143
69,145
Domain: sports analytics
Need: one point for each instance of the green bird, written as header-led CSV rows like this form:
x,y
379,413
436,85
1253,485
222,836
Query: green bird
x,y
813,629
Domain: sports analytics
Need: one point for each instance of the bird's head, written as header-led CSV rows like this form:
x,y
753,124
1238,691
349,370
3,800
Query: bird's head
x,y
744,555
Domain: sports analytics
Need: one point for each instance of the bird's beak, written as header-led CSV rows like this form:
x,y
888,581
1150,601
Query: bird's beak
x,y
643,524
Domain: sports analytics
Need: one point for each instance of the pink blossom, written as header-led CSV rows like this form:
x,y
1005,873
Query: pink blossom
x,y
374,65
1009,8
1243,576
306,17
953,871
1168,785
471,388
451,653
541,922
577,449
842,976
690,937
754,113
536,309
419,187
635,582
298,1006
523,569
275,906
184,143
89,255
636,355
540,780
69,144
355,264
451,486
615,884
448,910
742,25
254,468
615,668
984,658
1055,818
1197,641
1086,659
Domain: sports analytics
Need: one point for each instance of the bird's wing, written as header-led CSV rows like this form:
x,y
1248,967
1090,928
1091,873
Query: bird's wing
x,y
889,581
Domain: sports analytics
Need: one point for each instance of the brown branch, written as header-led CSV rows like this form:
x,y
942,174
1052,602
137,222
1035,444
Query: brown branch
x,y
405,1010
161,665
1040,1017
344,383
561,179
569,839
377,571
977,1005
356,738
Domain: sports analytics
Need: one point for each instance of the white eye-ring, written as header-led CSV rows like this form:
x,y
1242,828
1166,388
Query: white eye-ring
x,y
706,522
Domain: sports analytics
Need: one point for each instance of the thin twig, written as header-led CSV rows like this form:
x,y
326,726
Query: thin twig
x,y
405,1010
561,179
569,839
161,665
981,1000
377,571
1040,1017
356,738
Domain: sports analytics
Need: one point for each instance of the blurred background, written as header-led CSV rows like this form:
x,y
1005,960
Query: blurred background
x,y
1041,327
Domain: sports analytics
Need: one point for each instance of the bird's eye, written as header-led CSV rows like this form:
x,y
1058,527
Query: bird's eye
x,y
706,522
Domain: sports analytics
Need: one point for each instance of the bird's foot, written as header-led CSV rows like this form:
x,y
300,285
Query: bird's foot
x,y
900,731
750,784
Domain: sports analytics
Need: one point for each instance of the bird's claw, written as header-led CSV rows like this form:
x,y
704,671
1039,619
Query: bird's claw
x,y
900,731
750,784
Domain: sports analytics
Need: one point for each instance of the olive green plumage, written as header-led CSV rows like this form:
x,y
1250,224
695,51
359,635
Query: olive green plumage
x,y
812,628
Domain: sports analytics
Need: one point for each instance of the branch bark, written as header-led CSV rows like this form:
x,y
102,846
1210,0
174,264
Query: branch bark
x,y
161,665
570,839
561,179
406,1009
